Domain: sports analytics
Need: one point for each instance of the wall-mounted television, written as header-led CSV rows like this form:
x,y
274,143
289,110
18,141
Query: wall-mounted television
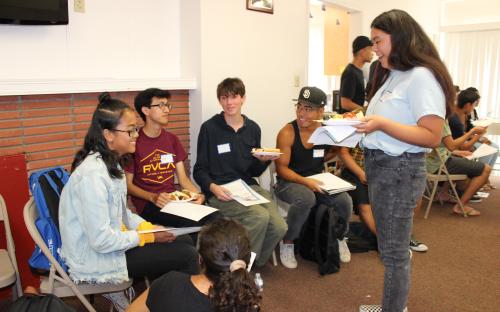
x,y
34,12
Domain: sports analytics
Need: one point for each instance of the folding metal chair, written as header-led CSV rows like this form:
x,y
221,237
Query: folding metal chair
x,y
442,175
58,282
9,273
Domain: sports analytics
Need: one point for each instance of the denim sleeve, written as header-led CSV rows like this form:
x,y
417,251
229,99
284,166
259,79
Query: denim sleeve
x,y
100,216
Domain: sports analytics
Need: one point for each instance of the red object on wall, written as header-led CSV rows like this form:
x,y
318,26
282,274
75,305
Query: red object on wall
x,y
14,190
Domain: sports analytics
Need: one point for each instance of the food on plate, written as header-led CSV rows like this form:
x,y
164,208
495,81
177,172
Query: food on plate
x,y
189,193
177,195
266,150
347,115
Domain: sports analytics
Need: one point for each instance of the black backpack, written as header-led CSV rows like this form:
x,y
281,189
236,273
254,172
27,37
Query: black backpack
x,y
318,238
45,303
360,238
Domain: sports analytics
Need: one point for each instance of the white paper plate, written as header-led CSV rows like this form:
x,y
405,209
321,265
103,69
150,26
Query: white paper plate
x,y
341,122
267,153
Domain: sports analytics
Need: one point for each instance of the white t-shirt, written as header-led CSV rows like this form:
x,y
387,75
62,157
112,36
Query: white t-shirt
x,y
405,97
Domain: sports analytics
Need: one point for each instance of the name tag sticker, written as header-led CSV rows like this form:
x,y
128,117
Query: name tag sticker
x,y
223,148
318,153
166,158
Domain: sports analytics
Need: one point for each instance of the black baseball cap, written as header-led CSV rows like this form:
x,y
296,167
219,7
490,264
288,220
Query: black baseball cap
x,y
361,42
312,96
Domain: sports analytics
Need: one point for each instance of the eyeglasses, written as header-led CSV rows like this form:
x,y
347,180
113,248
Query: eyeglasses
x,y
131,133
307,109
162,105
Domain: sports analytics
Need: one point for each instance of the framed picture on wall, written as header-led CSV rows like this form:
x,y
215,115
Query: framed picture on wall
x,y
266,6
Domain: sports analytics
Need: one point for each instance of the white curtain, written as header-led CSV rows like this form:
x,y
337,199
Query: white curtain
x,y
473,59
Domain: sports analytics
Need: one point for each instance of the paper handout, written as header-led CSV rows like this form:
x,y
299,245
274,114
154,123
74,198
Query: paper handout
x,y
188,210
175,231
244,194
332,184
483,150
341,135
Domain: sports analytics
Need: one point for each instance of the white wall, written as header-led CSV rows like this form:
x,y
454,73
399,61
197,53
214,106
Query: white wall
x,y
265,50
127,41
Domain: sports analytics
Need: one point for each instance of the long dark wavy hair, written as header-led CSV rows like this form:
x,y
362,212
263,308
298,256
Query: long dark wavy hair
x,y
221,243
107,115
411,47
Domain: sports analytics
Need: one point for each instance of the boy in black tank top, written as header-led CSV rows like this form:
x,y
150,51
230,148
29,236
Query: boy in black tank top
x,y
298,161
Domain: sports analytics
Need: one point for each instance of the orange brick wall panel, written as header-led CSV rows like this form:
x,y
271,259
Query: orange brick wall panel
x,y
45,104
49,138
4,114
82,126
9,133
51,154
6,106
11,141
11,150
47,129
35,165
45,97
9,98
9,124
50,129
46,121
37,113
48,146
85,102
173,118
84,110
178,124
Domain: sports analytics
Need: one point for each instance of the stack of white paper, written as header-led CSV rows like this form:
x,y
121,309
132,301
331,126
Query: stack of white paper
x,y
244,194
188,210
332,184
483,150
175,231
483,122
339,135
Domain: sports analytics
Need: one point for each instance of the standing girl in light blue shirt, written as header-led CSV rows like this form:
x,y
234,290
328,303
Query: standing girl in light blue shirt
x,y
411,97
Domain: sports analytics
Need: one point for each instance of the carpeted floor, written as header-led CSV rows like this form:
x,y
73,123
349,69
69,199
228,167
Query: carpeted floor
x,y
459,273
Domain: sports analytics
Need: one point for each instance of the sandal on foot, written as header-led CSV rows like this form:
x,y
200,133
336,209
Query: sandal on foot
x,y
471,212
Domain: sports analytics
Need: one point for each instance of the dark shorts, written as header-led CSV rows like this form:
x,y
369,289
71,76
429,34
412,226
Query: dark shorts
x,y
360,194
459,165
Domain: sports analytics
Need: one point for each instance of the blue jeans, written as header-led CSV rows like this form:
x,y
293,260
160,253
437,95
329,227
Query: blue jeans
x,y
395,183
302,199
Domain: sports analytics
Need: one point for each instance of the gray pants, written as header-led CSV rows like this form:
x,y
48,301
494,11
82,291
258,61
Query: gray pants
x,y
395,183
263,223
302,199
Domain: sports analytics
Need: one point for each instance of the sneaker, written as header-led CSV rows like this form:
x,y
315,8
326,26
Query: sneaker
x,y
475,199
287,256
374,308
345,254
118,299
415,245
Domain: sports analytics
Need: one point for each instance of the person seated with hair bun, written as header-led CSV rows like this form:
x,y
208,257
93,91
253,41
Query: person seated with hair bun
x,y
224,284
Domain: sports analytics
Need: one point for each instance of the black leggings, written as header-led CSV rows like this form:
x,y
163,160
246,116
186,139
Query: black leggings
x,y
155,259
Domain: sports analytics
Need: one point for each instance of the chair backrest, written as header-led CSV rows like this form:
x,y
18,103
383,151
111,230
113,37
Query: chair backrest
x,y
11,250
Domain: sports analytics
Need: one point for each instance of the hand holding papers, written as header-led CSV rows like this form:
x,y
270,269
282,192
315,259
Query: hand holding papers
x,y
483,150
339,135
174,231
332,184
188,210
242,193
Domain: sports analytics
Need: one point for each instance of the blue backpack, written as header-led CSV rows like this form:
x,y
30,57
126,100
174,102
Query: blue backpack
x,y
46,186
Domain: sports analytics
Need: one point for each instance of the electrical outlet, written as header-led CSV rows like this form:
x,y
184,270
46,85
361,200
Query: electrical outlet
x,y
79,6
296,81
